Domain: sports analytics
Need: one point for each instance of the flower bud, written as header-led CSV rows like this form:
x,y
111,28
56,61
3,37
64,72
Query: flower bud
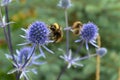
x,y
101,51
65,4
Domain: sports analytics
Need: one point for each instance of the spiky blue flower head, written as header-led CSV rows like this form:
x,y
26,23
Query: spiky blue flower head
x,y
70,60
21,58
65,4
23,54
38,33
88,34
89,31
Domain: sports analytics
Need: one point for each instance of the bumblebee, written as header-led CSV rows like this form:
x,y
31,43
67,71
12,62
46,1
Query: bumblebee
x,y
76,27
56,33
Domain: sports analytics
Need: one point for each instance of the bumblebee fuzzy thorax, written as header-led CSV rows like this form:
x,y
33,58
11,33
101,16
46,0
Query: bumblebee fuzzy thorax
x,y
56,33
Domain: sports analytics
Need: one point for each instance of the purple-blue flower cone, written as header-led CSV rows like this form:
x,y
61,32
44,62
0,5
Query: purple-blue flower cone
x,y
38,33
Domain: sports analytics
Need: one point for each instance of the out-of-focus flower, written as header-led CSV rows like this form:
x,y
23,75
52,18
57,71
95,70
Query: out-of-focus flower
x,y
24,54
70,60
88,34
5,2
21,58
3,22
38,33
65,4
101,51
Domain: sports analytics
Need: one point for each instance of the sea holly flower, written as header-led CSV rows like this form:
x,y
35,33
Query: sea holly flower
x,y
38,33
24,54
88,34
21,59
65,4
5,2
70,60
73,61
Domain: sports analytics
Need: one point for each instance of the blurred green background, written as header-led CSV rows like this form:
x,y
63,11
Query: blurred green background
x,y
104,13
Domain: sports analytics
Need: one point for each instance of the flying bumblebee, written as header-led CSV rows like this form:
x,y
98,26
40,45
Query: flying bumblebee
x,y
76,27
56,33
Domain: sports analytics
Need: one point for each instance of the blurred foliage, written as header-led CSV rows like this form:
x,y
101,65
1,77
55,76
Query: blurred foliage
x,y
104,13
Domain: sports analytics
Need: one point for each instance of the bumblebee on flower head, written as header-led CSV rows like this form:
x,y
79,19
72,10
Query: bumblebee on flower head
x,y
76,27
56,33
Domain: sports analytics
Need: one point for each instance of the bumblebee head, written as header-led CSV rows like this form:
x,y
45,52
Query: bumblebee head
x,y
54,27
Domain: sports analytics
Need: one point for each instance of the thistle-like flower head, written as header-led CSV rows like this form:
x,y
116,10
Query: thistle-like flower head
x,y
70,60
38,33
88,34
23,54
21,58
5,2
65,4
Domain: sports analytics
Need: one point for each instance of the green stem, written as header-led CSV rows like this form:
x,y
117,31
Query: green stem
x,y
8,39
67,32
8,29
67,44
79,48
61,72
31,54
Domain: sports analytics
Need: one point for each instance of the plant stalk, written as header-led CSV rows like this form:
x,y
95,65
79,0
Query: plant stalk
x,y
98,60
8,29
32,52
7,33
67,44
67,32
62,71
119,73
